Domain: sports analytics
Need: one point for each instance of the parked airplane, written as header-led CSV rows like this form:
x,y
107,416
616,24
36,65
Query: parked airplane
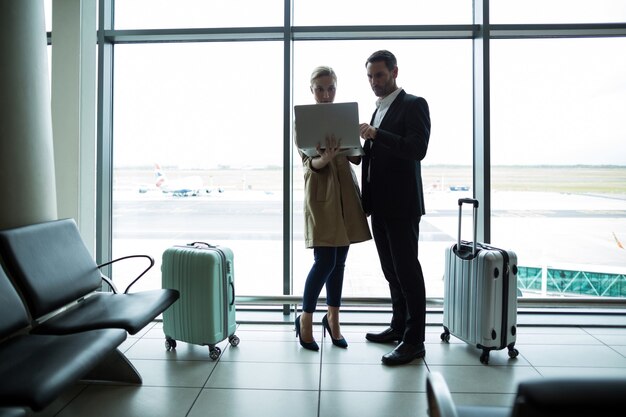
x,y
184,187
459,187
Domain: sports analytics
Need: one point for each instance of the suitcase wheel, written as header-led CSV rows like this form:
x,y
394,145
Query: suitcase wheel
x,y
513,353
445,336
214,352
484,357
233,340
169,343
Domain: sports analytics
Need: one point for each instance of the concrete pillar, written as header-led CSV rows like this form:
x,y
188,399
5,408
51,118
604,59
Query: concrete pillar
x,y
27,178
74,111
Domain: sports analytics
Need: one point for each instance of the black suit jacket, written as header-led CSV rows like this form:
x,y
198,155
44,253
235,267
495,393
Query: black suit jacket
x,y
393,160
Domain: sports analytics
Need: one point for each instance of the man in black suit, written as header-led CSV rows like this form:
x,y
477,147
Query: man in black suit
x,y
396,141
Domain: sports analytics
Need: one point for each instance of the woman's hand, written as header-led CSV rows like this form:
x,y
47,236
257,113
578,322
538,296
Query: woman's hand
x,y
327,154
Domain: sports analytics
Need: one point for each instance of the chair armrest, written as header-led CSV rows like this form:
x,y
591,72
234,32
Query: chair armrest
x,y
440,403
110,282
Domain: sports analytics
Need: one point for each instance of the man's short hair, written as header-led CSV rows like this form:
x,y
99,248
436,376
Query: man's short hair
x,y
383,55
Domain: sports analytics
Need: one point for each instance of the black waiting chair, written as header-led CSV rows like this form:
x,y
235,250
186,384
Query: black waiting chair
x,y
60,282
539,397
35,369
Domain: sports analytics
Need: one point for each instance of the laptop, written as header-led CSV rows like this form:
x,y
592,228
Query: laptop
x,y
315,121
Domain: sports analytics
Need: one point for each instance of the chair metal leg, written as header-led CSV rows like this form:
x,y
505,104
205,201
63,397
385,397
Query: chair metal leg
x,y
115,368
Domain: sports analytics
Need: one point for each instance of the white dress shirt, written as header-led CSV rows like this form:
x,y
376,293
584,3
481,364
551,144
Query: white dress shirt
x,y
382,104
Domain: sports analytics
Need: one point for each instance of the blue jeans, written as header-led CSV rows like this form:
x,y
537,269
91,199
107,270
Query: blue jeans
x,y
327,268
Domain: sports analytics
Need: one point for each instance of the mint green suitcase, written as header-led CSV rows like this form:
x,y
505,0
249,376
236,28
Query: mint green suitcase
x,y
205,312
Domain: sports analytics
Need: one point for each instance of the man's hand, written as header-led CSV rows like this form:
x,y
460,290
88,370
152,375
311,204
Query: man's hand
x,y
367,132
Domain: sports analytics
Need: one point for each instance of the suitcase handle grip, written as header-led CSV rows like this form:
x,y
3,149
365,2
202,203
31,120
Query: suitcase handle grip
x,y
474,204
201,244
471,201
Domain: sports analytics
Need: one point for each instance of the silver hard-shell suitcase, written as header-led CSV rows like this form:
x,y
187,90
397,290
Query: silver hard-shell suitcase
x,y
480,294
205,312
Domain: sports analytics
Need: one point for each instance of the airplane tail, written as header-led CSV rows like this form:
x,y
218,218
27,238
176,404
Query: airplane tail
x,y
619,244
159,176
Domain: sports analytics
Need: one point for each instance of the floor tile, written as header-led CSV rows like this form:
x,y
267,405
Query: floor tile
x,y
174,373
463,354
60,402
255,375
403,378
379,404
432,337
605,330
572,355
557,339
523,330
268,335
141,333
107,401
611,339
155,333
480,399
620,349
246,403
484,378
155,349
581,372
270,351
356,352
244,327
127,344
269,369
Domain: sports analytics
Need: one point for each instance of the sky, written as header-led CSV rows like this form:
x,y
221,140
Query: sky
x,y
553,101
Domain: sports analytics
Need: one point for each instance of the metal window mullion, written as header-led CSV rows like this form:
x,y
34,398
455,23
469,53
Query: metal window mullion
x,y
287,152
104,146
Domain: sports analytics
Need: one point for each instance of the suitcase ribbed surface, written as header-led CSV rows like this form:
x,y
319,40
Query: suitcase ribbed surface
x,y
205,312
480,307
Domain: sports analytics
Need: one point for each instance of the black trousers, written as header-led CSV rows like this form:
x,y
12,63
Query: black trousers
x,y
396,241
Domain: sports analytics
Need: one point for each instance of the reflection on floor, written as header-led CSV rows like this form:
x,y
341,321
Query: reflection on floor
x,y
269,374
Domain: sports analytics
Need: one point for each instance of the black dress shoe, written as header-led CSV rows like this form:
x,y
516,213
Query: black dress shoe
x,y
386,336
404,353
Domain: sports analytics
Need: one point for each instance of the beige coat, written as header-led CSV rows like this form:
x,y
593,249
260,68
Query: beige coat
x,y
333,215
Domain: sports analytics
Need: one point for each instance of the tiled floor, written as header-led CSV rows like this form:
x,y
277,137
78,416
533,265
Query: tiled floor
x,y
269,374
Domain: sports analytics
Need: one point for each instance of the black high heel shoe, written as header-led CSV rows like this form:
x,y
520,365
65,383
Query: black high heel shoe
x,y
337,342
307,345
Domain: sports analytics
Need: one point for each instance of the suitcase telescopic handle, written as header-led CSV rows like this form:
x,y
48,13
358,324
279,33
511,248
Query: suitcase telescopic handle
x,y
474,204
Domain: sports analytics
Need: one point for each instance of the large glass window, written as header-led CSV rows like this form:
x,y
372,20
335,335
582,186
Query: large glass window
x,y
168,14
439,71
199,140
558,158
557,11
373,12
198,152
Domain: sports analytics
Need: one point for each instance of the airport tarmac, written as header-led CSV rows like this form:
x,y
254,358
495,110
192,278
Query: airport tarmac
x,y
543,228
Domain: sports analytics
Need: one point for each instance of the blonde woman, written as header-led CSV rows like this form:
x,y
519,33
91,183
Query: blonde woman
x,y
334,219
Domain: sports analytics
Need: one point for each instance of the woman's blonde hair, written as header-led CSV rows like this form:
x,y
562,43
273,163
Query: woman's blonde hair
x,y
323,71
